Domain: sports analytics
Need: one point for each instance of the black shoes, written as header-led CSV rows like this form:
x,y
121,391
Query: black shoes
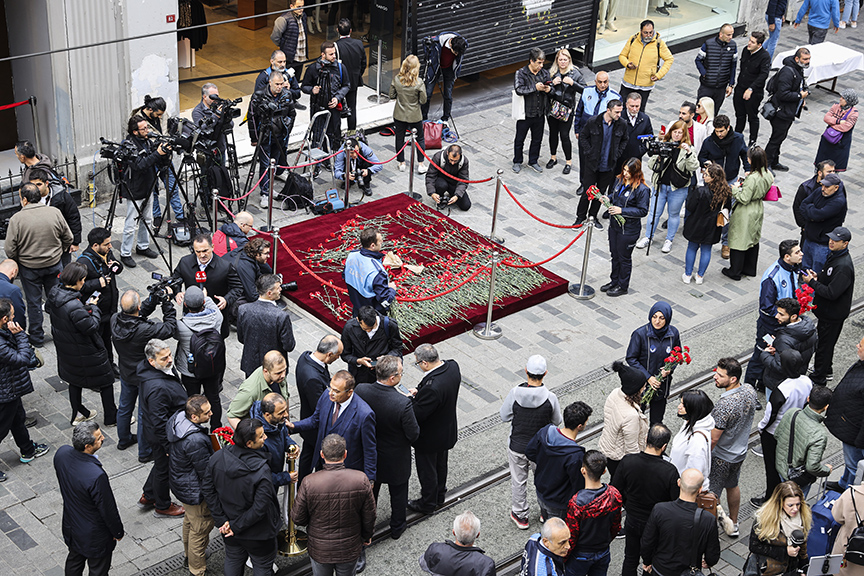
x,y
417,506
726,272
551,164
758,501
124,445
147,253
580,220
606,287
835,486
361,562
616,291
567,168
598,225
662,10
777,167
128,262
298,106
30,421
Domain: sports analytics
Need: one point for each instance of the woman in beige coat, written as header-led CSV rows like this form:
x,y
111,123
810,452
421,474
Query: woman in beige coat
x,y
409,92
625,427
844,513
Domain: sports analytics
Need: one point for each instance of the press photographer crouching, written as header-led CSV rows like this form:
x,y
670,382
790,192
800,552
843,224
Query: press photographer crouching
x,y
360,165
270,124
446,191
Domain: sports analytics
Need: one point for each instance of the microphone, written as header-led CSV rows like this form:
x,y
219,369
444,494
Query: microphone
x,y
200,277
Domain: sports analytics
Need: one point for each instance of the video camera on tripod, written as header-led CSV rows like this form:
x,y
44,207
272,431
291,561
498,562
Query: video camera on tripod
x,y
120,153
656,147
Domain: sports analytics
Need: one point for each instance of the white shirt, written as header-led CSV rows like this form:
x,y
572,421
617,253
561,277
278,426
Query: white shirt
x,y
343,406
372,332
316,360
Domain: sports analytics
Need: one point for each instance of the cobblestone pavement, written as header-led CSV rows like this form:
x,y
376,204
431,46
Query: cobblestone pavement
x,y
580,339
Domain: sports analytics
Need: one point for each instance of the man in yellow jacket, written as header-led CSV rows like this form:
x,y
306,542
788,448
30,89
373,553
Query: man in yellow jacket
x,y
641,57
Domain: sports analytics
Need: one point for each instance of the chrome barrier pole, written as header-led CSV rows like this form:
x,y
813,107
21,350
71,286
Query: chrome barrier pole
x,y
274,242
377,97
582,291
492,236
215,193
272,170
411,141
35,116
489,330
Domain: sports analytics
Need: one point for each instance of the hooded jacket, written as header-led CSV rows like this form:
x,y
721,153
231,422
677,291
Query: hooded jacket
x,y
537,560
230,232
647,352
276,443
161,396
745,219
530,408
845,414
730,152
81,357
97,267
210,317
595,523
239,490
800,336
646,58
821,214
14,363
693,450
788,84
559,463
130,335
190,448
811,437
460,171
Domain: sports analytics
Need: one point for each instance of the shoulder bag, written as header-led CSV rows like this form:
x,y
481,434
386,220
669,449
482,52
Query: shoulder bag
x,y
831,134
707,500
696,563
517,106
773,194
798,474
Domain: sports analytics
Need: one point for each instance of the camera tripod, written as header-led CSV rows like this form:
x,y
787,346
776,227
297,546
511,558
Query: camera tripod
x,y
264,135
653,227
427,41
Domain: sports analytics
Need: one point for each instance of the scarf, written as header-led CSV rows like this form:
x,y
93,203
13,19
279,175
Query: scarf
x,y
788,524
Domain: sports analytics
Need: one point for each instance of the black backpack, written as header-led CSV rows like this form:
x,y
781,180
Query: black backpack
x,y
855,545
207,351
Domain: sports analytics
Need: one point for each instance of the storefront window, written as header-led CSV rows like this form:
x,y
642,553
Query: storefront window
x,y
674,20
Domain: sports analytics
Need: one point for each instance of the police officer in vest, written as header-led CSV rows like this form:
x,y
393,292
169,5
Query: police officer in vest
x,y
368,282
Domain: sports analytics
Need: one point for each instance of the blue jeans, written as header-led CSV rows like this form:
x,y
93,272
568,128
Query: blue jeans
x,y
35,281
851,457
771,42
850,12
128,396
675,198
176,203
690,258
815,256
596,564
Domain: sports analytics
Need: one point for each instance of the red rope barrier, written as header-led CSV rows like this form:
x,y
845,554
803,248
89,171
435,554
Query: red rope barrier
x,y
533,216
385,161
310,163
15,105
446,173
306,268
535,264
433,296
245,195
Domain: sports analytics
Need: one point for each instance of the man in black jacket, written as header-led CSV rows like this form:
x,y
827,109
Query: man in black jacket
x,y
821,212
130,331
395,430
795,332
638,125
206,270
725,147
459,556
716,62
327,82
644,479
102,269
189,451
672,530
808,187
270,122
443,188
833,288
368,338
263,325
755,67
532,83
601,144
313,377
435,411
239,490
787,94
352,54
845,419
137,188
54,193
162,395
91,520
247,266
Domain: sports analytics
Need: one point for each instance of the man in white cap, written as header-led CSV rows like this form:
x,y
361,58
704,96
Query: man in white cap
x,y
529,406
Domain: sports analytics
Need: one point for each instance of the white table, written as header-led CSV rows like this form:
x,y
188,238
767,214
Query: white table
x,y
828,61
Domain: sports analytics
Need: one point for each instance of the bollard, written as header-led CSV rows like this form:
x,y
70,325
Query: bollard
x,y
411,141
215,194
489,330
274,243
492,236
377,97
582,291
270,196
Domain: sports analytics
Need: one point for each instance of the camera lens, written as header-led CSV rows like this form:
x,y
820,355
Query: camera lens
x,y
289,286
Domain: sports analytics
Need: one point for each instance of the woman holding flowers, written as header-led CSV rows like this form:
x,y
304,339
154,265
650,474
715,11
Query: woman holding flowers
x,y
628,204
650,346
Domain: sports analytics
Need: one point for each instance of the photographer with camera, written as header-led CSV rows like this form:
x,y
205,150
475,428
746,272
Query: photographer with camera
x,y
328,83
248,265
270,124
264,325
673,163
446,191
277,64
444,54
102,269
359,170
208,115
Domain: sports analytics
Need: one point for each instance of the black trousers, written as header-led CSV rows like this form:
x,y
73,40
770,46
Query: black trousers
x,y
593,177
755,368
350,98
398,504
827,333
535,126
716,94
399,127
12,418
444,185
747,111
657,406
621,246
769,453
75,564
632,545
156,485
559,129
744,262
308,457
624,91
817,35
779,131
211,386
109,408
432,473
611,466
105,333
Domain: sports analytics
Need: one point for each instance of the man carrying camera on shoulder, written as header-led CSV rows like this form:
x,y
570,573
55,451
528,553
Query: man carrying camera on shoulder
x,y
362,164
444,190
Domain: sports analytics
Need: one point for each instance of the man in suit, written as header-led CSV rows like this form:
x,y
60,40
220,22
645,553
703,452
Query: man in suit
x,y
395,430
313,377
435,410
340,411
638,124
91,520
351,53
262,325
368,338
206,271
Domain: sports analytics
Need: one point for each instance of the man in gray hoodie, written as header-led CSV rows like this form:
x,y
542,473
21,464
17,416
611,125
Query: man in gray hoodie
x,y
529,406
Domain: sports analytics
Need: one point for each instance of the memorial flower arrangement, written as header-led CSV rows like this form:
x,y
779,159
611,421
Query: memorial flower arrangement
x,y
676,357
225,435
594,194
804,294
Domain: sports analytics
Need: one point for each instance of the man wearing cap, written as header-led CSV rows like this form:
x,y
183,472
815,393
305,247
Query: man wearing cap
x,y
821,212
833,288
530,407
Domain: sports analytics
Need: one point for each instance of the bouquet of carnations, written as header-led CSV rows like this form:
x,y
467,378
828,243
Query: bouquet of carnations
x,y
594,194
223,437
804,294
676,357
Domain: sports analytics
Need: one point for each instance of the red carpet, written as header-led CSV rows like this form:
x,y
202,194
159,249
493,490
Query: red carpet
x,y
450,252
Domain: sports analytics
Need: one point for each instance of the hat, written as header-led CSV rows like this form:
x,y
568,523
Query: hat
x,y
632,380
791,363
840,234
194,298
536,365
831,180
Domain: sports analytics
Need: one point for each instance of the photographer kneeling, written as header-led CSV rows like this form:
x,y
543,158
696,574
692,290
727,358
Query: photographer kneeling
x,y
446,191
360,165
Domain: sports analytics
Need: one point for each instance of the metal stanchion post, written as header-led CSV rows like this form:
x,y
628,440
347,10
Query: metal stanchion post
x,y
489,330
272,170
492,236
35,116
582,291
215,194
377,97
411,141
274,242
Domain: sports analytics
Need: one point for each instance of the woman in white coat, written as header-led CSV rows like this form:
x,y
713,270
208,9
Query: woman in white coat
x,y
691,447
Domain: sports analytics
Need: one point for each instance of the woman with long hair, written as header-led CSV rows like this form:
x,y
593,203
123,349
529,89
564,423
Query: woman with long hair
x,y
842,117
671,180
409,92
705,113
567,81
702,228
691,446
625,427
745,220
784,517
629,198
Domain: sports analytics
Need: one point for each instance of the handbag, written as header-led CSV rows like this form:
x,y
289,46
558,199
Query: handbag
x,y
432,133
831,134
696,565
773,194
707,501
769,110
560,111
798,474
517,106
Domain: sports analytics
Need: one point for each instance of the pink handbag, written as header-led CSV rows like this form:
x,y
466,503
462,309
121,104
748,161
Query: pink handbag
x,y
773,194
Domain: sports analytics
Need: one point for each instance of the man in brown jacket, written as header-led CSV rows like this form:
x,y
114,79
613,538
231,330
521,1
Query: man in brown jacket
x,y
338,509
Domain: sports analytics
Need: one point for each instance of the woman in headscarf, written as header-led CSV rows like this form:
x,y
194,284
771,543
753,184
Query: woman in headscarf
x,y
625,427
649,347
841,117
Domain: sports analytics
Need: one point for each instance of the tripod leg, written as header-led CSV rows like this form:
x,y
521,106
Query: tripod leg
x,y
141,220
112,208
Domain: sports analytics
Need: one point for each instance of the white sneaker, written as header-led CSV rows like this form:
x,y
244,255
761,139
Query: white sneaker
x,y
249,560
422,168
699,279
685,278
667,246
79,419
643,243
853,24
735,532
264,202
842,25
402,167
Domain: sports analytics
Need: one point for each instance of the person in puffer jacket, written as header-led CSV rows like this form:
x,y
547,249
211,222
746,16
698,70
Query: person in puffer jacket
x,y
272,411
